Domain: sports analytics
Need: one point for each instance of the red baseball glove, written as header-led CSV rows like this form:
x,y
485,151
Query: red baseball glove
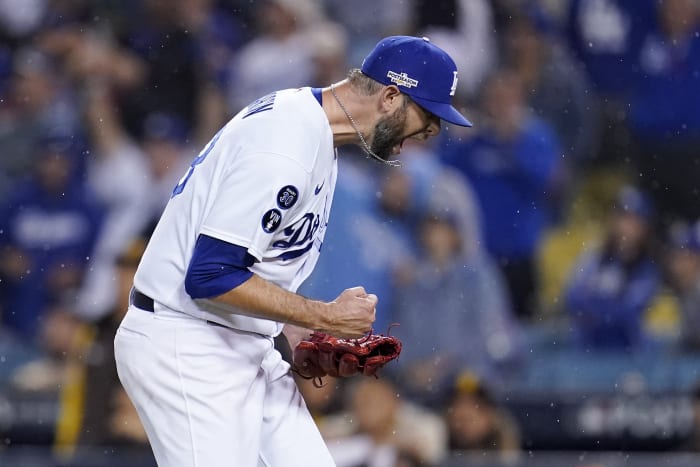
x,y
322,355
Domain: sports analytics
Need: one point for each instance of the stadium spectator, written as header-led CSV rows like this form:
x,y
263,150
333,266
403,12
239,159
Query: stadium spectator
x,y
60,339
165,139
280,56
40,102
684,267
513,164
556,83
93,412
367,21
442,188
386,428
119,175
479,428
465,29
134,181
177,77
329,51
47,232
665,110
613,285
326,403
454,311
350,254
108,419
391,214
606,36
218,34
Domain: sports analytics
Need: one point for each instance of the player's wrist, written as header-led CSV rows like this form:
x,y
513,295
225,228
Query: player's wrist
x,y
322,316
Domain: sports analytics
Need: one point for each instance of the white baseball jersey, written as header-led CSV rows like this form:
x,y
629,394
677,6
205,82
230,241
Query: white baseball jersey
x,y
264,182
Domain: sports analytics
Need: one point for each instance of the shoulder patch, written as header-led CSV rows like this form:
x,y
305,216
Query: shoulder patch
x,y
271,220
287,197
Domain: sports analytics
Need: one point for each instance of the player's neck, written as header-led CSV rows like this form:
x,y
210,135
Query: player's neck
x,y
341,125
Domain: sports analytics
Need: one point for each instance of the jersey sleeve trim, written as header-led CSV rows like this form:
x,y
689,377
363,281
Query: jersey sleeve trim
x,y
216,267
234,239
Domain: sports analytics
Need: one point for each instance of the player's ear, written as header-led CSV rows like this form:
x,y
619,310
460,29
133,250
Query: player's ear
x,y
390,99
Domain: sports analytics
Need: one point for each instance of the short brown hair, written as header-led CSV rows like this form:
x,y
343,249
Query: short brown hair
x,y
363,84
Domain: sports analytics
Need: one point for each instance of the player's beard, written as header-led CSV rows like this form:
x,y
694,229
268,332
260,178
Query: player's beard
x,y
388,132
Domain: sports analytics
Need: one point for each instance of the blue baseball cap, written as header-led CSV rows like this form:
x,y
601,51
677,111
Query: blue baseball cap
x,y
419,69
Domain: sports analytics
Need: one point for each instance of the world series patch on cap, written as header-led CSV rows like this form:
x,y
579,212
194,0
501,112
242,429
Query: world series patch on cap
x,y
419,69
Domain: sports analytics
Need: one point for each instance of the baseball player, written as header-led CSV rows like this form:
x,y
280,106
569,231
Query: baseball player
x,y
242,230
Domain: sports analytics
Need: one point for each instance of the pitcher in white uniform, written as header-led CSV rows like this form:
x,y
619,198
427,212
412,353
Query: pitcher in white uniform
x,y
242,230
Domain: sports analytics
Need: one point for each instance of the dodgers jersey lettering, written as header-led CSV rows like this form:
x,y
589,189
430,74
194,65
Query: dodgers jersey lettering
x,y
265,182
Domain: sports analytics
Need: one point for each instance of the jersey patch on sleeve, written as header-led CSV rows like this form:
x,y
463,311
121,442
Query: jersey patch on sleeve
x,y
260,105
271,220
287,197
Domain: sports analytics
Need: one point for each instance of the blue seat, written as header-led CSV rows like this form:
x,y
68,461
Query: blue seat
x,y
580,372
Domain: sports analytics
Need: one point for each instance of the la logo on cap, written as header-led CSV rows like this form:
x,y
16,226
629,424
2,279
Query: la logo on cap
x,y
453,89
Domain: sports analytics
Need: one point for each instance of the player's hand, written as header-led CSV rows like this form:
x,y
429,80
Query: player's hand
x,y
295,334
351,314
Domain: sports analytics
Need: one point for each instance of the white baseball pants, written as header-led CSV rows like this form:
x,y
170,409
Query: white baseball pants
x,y
210,396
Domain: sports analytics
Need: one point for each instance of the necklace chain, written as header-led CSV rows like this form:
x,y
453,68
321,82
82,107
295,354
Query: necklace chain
x,y
367,149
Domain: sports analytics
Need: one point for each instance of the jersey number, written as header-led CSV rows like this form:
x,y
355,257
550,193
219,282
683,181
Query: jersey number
x,y
197,160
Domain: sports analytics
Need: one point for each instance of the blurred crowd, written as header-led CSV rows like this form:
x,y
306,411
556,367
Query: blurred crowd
x,y
570,210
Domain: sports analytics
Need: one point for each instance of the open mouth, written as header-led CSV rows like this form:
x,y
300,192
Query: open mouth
x,y
396,149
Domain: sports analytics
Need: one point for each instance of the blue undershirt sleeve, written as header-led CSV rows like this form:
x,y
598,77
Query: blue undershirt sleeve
x,y
216,267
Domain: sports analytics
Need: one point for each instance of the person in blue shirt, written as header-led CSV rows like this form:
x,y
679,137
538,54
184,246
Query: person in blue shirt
x,y
513,164
665,110
606,36
612,286
683,263
558,88
471,323
47,232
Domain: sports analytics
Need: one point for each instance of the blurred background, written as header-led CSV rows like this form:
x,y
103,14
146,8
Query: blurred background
x,y
544,265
